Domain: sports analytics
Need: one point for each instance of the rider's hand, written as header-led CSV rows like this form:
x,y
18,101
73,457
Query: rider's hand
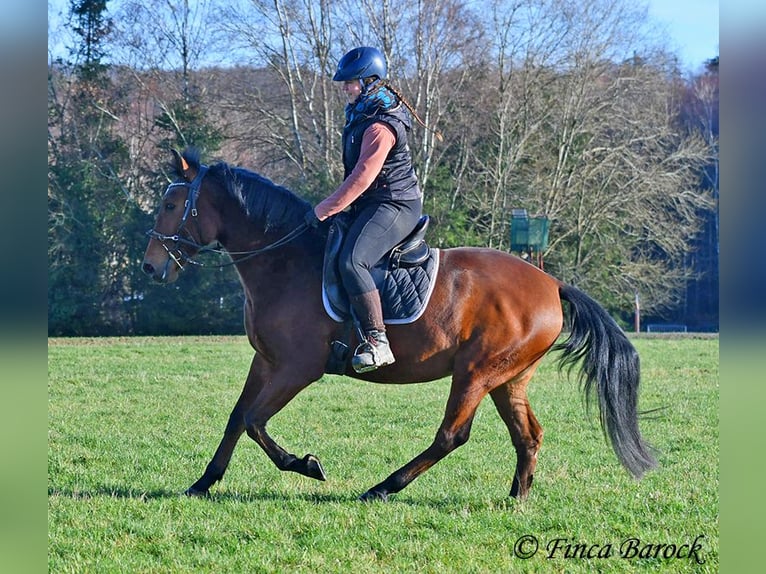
x,y
311,219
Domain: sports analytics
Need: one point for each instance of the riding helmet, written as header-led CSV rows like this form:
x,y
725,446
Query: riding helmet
x,y
361,63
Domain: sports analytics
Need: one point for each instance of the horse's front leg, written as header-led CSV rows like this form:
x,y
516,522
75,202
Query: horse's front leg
x,y
215,470
284,385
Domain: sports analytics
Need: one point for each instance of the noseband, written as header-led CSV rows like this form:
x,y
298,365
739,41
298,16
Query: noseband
x,y
190,209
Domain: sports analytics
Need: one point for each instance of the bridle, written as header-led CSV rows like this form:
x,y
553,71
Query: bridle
x,y
190,210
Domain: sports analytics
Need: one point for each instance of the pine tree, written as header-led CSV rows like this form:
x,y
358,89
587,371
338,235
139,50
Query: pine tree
x,y
87,204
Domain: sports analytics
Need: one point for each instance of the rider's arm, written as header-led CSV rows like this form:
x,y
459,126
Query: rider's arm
x,y
377,141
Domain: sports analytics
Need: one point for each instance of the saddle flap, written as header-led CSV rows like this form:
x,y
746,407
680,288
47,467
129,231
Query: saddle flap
x,y
332,288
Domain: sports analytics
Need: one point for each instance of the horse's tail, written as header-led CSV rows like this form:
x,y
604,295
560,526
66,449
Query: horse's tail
x,y
610,363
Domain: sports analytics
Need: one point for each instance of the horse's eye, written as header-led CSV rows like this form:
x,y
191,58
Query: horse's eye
x,y
170,206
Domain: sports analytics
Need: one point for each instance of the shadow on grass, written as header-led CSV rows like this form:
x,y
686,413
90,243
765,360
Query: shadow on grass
x,y
164,494
445,504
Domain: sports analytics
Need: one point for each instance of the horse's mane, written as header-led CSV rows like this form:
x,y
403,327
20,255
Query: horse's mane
x,y
265,202
270,205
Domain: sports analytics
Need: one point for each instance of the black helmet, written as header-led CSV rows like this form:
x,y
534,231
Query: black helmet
x,y
361,63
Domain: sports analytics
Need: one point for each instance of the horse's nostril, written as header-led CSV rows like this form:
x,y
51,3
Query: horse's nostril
x,y
148,268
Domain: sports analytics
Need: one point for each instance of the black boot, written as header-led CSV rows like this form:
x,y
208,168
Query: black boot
x,y
374,351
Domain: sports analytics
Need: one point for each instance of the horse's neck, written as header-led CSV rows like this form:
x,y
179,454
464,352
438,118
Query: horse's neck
x,y
238,234
261,272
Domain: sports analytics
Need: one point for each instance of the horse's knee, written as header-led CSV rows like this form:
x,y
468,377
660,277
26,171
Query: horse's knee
x,y
526,451
254,429
535,443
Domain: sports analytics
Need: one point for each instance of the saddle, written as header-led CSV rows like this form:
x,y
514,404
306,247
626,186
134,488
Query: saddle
x,y
404,276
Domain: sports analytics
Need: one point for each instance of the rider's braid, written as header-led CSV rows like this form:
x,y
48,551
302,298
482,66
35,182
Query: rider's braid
x,y
411,108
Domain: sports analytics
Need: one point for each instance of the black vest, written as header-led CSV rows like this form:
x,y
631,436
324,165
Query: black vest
x,y
397,179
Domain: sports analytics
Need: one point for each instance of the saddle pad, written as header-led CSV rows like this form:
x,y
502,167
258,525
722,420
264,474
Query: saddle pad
x,y
404,292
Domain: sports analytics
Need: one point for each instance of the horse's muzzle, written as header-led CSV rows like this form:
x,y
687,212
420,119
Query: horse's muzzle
x,y
158,275
149,269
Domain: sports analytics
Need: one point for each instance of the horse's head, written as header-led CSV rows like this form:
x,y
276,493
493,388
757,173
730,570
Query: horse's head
x,y
178,234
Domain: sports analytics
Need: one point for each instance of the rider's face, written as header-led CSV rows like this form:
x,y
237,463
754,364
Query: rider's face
x,y
351,89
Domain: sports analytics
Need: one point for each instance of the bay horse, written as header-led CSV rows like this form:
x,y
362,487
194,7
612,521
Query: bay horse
x,y
491,320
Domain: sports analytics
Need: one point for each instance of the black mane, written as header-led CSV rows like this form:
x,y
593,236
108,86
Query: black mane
x,y
264,202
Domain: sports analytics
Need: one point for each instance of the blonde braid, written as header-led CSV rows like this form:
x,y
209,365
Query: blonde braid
x,y
409,106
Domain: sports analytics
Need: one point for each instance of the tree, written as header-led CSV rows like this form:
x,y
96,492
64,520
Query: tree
x,y
576,130
291,108
510,83
699,114
85,194
563,109
93,27
170,52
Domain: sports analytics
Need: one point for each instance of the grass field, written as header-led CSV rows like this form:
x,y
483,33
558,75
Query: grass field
x,y
133,422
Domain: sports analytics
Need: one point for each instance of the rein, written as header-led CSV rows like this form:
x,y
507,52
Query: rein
x,y
190,209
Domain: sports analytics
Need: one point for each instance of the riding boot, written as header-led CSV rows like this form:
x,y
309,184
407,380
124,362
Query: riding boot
x,y
374,351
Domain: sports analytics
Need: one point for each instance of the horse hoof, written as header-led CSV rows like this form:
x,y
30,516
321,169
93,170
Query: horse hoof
x,y
195,493
314,467
372,495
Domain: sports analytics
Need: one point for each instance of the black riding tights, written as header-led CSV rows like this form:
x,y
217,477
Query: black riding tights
x,y
376,229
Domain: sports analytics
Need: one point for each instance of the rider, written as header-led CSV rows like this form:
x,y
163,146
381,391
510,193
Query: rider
x,y
379,185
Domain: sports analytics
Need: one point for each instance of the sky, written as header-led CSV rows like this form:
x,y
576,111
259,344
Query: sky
x,y
692,26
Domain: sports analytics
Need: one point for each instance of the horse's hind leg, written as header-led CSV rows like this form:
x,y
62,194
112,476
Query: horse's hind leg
x,y
526,432
234,429
454,431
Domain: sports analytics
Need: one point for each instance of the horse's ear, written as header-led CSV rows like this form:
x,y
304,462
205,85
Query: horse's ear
x,y
181,165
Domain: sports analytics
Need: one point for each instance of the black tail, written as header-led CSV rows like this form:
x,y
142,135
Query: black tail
x,y
609,361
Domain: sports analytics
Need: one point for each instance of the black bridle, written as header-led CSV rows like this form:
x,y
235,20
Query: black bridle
x,y
190,210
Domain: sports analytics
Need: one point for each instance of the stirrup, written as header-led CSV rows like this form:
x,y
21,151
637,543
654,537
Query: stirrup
x,y
372,353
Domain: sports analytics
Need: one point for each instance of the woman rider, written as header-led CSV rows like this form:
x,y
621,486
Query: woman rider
x,y
379,186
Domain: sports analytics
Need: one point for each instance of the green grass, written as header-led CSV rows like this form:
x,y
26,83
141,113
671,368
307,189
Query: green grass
x,y
133,422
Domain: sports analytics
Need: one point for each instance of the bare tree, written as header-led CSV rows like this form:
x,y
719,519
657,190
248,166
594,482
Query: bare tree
x,y
166,35
301,42
445,35
524,39
573,127
704,118
158,50
622,189
292,40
